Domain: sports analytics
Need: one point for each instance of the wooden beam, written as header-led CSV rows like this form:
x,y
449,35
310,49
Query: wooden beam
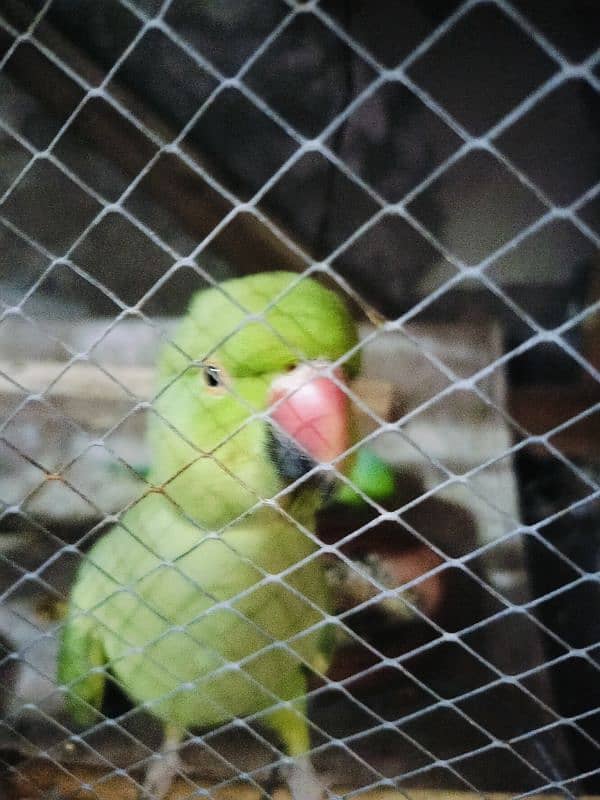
x,y
246,243
86,382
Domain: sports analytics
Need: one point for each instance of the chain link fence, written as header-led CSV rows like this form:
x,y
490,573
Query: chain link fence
x,y
436,164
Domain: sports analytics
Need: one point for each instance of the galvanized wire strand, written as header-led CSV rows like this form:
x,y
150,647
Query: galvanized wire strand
x,y
566,71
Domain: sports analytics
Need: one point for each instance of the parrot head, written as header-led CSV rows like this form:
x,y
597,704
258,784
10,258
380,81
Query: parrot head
x,y
251,394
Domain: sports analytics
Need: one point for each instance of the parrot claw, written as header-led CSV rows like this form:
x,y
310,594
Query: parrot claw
x,y
274,780
303,782
160,776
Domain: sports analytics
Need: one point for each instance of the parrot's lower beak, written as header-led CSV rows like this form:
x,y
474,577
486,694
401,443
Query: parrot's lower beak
x,y
311,415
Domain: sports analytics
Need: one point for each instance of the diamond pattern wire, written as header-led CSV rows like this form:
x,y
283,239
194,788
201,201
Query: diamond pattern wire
x,y
488,144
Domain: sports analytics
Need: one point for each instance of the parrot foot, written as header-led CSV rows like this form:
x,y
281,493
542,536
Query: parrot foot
x,y
163,769
303,782
273,782
160,776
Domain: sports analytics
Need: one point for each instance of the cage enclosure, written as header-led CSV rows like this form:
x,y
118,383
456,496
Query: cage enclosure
x,y
434,164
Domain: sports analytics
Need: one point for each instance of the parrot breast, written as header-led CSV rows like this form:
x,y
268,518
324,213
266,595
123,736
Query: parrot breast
x,y
194,630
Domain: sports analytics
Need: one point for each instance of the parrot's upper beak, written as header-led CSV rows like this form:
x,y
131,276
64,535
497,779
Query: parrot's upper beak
x,y
311,415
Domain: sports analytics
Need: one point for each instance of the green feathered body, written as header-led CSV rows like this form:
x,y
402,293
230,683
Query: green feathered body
x,y
181,601
189,624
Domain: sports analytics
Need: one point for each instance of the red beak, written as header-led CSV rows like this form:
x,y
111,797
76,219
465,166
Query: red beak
x,y
313,410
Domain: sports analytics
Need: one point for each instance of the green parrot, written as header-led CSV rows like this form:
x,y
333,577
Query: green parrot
x,y
207,600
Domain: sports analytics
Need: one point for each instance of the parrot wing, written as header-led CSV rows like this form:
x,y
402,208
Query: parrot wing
x,y
80,668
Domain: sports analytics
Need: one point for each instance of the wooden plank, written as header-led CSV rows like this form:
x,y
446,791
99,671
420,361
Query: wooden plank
x,y
395,379
45,777
85,381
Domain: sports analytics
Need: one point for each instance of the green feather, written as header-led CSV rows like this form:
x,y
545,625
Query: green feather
x,y
373,476
81,657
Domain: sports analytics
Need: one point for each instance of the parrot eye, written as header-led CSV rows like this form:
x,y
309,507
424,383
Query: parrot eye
x,y
215,378
212,376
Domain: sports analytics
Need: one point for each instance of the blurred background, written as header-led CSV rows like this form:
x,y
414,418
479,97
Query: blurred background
x,y
438,163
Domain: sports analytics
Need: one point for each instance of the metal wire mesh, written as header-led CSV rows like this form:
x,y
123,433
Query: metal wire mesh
x,y
537,748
